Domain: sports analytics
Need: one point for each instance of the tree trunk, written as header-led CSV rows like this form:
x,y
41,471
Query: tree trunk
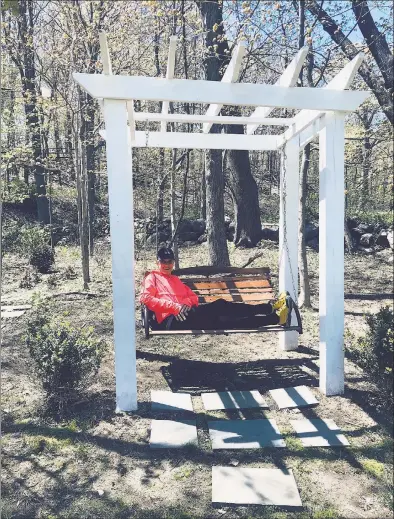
x,y
211,14
367,151
26,28
244,192
83,224
304,298
69,143
87,130
374,82
161,185
173,208
216,236
203,203
376,42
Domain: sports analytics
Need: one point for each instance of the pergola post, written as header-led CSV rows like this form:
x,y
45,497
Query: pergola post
x,y
331,254
288,233
120,190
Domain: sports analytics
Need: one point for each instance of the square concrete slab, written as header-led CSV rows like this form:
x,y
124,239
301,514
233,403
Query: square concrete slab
x,y
319,433
170,434
10,314
246,486
233,400
299,396
168,401
245,434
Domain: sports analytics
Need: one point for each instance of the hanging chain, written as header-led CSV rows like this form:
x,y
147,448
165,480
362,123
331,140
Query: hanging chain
x,y
284,219
146,133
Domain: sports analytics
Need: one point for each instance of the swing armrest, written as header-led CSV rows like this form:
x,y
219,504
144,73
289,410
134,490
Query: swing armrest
x,y
145,320
298,316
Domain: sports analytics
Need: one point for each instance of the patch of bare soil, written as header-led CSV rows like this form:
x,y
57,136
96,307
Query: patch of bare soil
x,y
97,464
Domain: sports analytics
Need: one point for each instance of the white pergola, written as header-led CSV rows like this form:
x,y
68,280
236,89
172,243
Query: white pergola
x,y
322,112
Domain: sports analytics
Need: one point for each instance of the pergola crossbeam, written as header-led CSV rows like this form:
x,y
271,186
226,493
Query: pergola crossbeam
x,y
199,91
230,76
213,119
287,79
217,141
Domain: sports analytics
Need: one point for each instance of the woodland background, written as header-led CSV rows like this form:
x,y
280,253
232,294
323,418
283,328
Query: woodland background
x,y
53,159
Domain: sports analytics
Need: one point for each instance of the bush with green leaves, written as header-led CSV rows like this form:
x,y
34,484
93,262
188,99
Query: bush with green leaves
x,y
374,352
66,358
16,191
33,243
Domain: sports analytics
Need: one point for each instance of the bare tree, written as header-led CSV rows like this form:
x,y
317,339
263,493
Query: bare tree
x,y
211,14
22,51
382,91
304,298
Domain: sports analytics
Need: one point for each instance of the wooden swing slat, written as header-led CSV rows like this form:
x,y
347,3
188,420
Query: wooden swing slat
x,y
217,291
230,284
237,298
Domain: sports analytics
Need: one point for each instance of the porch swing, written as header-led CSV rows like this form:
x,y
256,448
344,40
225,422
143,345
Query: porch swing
x,y
238,285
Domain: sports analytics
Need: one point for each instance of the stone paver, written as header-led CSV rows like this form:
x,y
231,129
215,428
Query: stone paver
x,y
299,396
233,400
254,486
318,433
173,434
245,434
168,401
9,314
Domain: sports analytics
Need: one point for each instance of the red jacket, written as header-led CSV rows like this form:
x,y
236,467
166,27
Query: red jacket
x,y
165,295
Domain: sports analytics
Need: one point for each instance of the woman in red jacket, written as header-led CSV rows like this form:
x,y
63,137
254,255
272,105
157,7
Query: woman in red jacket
x,y
175,305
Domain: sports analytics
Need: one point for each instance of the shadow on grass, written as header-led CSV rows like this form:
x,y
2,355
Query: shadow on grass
x,y
196,377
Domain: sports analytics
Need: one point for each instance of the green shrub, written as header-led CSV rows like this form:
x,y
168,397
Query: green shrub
x,y
42,258
17,190
66,358
374,352
29,279
33,243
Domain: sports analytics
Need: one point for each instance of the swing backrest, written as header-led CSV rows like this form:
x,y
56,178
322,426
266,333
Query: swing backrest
x,y
248,285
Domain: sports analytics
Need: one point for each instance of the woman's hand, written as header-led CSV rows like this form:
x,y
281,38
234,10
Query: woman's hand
x,y
183,313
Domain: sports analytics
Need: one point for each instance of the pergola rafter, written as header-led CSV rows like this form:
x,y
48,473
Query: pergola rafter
x,y
322,112
287,79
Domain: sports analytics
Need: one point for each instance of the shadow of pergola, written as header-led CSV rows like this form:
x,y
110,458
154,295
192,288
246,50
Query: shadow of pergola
x,y
196,377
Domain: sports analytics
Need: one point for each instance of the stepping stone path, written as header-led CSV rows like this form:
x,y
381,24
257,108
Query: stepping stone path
x,y
254,486
319,433
289,397
238,485
9,312
245,434
173,434
233,400
168,401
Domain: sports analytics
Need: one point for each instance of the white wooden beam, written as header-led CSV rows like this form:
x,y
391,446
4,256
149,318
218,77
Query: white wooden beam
x,y
220,141
287,79
243,94
307,135
288,234
105,57
213,119
120,191
230,76
340,82
331,254
169,75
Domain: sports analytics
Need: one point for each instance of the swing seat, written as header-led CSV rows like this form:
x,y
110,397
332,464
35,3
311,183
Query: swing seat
x,y
239,285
